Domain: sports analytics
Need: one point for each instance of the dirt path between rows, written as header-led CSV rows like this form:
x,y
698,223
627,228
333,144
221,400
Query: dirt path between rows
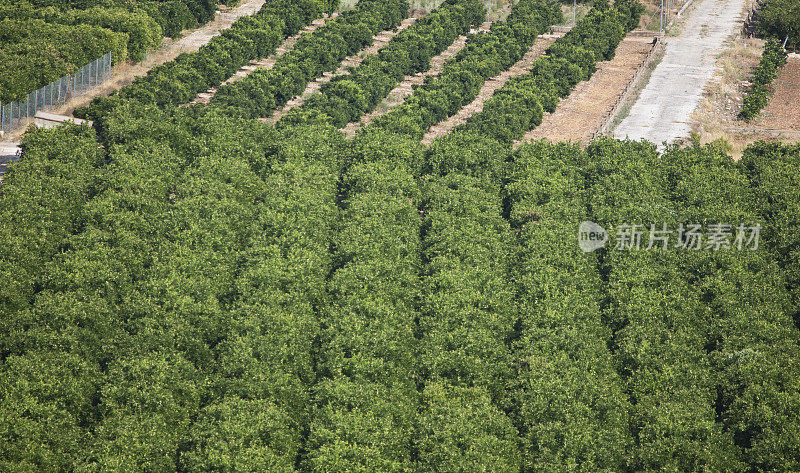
x,y
123,74
264,63
783,111
405,88
489,87
584,111
663,110
378,42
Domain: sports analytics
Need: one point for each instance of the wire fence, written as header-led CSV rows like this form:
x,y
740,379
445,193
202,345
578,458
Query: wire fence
x,y
19,113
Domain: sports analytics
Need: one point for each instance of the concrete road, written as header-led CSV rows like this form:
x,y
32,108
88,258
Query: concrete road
x,y
664,107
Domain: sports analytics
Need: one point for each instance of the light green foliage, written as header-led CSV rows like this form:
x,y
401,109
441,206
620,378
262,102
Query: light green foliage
x,y
349,96
265,90
483,57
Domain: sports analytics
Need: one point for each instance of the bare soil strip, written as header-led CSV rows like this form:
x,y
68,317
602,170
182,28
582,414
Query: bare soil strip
x,y
378,42
523,66
783,111
584,111
123,74
267,63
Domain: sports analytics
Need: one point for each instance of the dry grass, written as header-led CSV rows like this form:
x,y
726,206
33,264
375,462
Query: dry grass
x,y
723,98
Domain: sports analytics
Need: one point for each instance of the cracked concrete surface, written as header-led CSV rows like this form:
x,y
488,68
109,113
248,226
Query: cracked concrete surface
x,y
662,113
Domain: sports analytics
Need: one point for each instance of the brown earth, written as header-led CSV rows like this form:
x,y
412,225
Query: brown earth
x,y
717,118
783,111
584,111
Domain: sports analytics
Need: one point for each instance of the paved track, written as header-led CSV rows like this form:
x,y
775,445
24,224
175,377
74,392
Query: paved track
x,y
664,107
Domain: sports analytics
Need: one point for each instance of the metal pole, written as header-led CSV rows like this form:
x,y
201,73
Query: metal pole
x,y
661,27
573,13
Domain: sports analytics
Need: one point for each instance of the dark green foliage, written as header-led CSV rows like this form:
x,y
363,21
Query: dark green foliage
x,y
198,303
780,19
42,199
572,412
349,96
659,320
460,431
755,346
774,174
467,314
45,40
206,293
773,59
262,92
144,34
484,56
366,396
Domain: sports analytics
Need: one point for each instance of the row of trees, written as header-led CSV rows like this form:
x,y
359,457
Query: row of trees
x,y
484,56
183,302
772,169
752,346
35,53
42,204
209,300
772,60
172,16
262,92
519,106
660,322
43,41
467,314
366,401
218,295
179,81
701,338
573,412
349,96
